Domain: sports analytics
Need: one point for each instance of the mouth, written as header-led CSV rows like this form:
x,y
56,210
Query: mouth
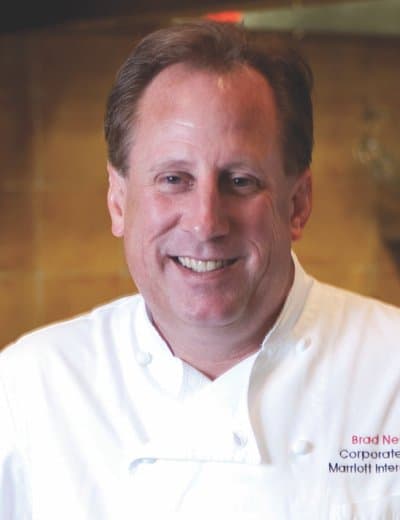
x,y
202,266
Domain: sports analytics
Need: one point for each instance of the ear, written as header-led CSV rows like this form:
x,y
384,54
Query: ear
x,y
301,203
116,197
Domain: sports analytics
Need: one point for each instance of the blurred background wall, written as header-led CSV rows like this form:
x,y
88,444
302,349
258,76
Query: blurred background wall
x,y
57,255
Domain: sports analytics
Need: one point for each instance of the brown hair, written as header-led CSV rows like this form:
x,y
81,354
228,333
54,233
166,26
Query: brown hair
x,y
216,47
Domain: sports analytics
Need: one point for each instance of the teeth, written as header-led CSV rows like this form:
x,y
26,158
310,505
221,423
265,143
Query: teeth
x,y
201,266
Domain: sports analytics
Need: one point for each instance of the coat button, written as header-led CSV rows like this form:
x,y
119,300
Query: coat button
x,y
301,447
303,345
143,358
240,439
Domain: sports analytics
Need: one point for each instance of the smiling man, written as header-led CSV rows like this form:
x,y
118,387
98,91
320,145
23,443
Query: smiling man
x,y
208,212
234,382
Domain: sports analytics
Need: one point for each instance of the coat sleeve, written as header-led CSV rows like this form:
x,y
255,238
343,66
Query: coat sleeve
x,y
15,501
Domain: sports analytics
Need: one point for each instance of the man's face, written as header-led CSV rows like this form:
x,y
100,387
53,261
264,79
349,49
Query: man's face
x,y
206,210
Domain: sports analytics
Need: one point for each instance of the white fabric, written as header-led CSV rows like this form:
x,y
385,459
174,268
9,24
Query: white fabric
x,y
99,421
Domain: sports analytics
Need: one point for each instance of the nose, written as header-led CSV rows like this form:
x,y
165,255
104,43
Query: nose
x,y
206,213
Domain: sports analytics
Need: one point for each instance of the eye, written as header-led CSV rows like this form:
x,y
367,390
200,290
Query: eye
x,y
172,179
175,182
240,184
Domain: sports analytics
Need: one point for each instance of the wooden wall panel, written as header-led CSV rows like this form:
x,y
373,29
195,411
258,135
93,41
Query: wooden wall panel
x,y
57,255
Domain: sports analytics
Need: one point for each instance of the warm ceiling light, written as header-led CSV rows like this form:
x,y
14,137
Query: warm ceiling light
x,y
226,16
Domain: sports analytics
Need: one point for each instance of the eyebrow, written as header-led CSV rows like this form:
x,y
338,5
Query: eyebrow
x,y
170,164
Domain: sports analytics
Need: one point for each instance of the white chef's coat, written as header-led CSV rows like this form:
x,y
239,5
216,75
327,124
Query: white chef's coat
x,y
99,421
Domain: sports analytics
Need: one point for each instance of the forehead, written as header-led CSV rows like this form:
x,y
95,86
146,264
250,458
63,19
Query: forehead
x,y
240,95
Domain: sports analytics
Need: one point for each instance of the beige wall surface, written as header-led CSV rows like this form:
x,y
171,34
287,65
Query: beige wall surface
x,y
57,255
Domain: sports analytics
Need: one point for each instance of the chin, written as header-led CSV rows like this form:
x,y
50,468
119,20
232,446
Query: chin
x,y
210,316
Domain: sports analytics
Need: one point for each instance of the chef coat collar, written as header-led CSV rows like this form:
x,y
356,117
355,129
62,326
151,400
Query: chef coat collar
x,y
155,356
293,306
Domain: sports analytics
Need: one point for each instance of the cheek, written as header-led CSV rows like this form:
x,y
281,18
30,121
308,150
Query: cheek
x,y
261,217
267,226
148,220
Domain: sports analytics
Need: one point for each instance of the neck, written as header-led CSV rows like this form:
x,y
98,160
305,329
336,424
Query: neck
x,y
213,350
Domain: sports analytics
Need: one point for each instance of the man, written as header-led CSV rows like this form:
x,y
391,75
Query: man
x,y
235,383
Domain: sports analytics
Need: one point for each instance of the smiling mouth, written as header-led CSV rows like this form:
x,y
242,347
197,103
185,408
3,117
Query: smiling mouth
x,y
202,266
